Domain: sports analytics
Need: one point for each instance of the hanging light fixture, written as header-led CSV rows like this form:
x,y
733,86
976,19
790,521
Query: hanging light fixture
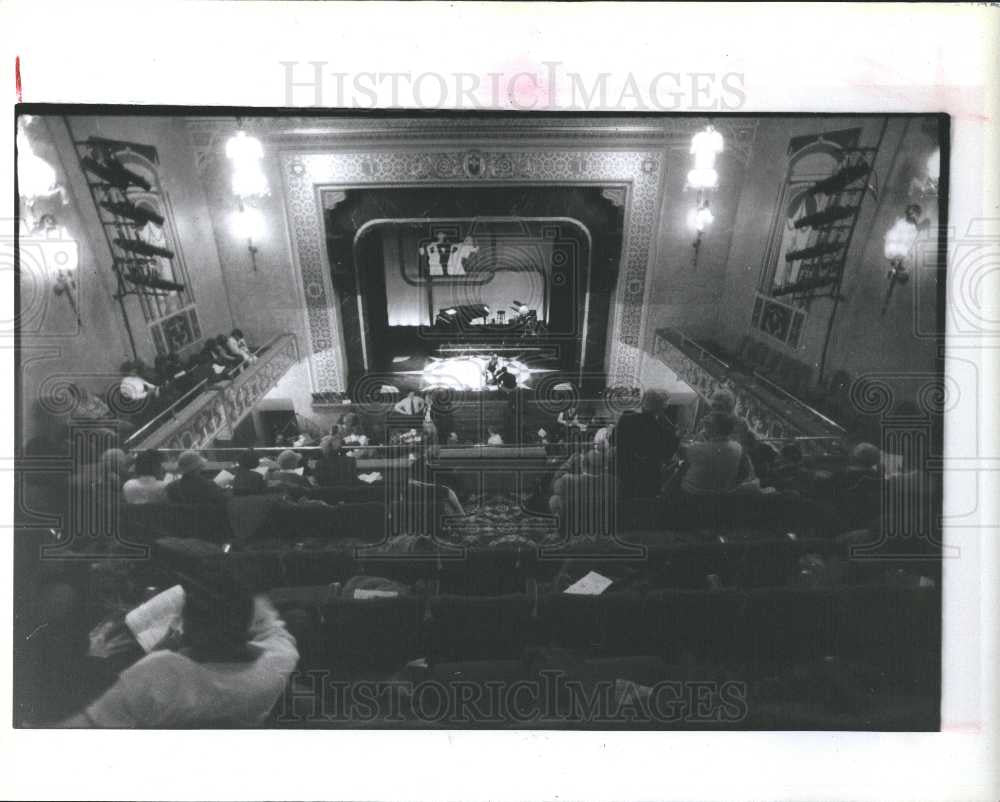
x,y
705,146
703,177
36,178
248,179
249,186
247,223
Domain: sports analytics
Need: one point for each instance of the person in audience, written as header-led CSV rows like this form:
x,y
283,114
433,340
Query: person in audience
x,y
589,497
222,354
246,480
723,401
789,472
133,387
334,468
148,485
413,405
603,435
714,463
857,490
494,438
424,494
231,667
237,346
645,443
350,424
193,487
287,476
570,424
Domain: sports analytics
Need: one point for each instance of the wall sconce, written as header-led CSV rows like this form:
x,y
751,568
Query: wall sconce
x,y
249,185
36,178
703,177
927,186
248,224
699,218
900,240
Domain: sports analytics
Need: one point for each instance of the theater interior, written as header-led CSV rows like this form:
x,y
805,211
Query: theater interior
x,y
560,421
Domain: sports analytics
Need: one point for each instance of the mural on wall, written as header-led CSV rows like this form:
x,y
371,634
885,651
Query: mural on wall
x,y
824,184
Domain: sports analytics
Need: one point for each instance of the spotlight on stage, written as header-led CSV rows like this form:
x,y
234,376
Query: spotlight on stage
x,y
470,373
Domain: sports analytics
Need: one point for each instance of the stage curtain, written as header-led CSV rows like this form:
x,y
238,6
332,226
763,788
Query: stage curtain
x,y
406,298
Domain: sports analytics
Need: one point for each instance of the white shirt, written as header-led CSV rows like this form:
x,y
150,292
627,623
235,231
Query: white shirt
x,y
410,406
135,388
167,689
144,490
495,440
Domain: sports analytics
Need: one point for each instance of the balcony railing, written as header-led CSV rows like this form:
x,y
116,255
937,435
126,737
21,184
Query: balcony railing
x,y
207,414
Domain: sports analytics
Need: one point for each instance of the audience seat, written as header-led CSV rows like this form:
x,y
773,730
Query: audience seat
x,y
480,627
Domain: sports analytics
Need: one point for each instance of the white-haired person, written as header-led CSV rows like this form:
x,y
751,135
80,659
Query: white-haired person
x,y
645,443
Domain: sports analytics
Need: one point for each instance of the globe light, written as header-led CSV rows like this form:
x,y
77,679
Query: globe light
x,y
899,240
700,218
247,223
934,165
245,153
35,176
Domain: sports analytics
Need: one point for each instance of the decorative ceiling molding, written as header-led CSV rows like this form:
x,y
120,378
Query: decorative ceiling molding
x,y
209,134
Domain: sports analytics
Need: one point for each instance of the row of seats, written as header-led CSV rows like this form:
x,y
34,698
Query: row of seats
x,y
896,627
496,571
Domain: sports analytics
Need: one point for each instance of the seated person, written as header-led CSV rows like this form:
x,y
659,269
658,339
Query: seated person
x,y
645,443
588,499
105,478
231,667
494,438
788,471
334,468
572,426
148,485
713,465
222,354
424,492
246,480
133,387
350,424
413,404
723,401
287,475
193,487
857,490
237,346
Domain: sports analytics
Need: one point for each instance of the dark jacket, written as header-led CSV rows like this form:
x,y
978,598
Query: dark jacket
x,y
247,482
193,488
336,470
643,444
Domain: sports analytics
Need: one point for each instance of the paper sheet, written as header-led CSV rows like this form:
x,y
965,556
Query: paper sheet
x,y
593,584
365,593
151,621
224,478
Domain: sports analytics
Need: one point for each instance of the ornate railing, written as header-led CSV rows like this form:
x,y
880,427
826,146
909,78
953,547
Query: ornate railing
x,y
771,412
216,413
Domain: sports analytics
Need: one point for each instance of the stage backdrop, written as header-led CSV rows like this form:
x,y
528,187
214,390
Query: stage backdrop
x,y
484,262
